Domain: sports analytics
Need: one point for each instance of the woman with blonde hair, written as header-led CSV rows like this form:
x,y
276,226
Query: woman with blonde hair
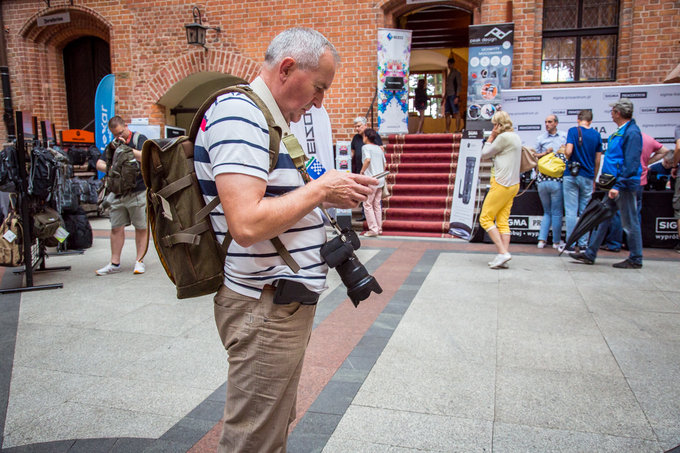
x,y
504,147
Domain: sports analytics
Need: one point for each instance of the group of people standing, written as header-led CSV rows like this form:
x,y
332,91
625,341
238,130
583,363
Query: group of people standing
x,y
629,153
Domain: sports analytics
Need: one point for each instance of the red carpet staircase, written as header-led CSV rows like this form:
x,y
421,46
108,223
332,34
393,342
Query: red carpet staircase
x,y
421,181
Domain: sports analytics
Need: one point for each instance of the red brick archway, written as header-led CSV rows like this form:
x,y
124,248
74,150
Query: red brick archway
x,y
199,61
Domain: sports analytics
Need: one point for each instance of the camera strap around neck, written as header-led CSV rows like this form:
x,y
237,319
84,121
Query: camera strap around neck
x,y
297,154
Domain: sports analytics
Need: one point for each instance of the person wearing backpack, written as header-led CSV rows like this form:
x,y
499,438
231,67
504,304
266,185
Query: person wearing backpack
x,y
124,180
264,311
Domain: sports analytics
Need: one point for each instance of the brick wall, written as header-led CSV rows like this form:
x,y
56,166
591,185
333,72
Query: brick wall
x,y
149,53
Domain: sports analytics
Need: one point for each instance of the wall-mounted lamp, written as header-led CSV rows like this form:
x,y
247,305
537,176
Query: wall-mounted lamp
x,y
196,31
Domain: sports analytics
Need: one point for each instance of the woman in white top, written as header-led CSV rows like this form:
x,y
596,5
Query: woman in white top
x,y
373,163
505,148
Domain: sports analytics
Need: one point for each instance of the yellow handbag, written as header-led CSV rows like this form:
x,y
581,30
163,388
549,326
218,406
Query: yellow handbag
x,y
551,165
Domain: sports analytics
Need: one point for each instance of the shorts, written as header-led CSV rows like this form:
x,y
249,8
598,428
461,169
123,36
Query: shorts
x,y
129,210
450,107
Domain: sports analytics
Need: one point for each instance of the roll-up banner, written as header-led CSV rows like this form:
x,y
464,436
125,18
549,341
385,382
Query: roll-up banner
x,y
489,72
313,131
394,54
656,109
104,110
461,222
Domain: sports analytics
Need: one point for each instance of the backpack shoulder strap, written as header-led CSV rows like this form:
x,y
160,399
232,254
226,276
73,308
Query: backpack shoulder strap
x,y
274,141
274,130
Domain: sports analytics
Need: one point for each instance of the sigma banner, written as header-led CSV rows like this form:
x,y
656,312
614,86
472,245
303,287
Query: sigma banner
x,y
656,109
313,131
465,187
394,54
489,72
104,109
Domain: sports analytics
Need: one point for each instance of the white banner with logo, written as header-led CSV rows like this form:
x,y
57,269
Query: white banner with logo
x,y
656,109
461,223
313,131
489,71
394,54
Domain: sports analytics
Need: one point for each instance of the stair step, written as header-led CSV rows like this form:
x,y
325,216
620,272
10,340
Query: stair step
x,y
422,202
425,167
421,178
421,158
423,138
422,147
420,189
415,226
430,215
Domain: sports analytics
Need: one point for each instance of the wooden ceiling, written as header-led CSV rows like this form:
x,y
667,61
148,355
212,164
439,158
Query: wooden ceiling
x,y
438,27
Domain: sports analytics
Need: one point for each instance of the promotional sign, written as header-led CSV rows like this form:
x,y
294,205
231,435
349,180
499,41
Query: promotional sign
x,y
104,110
313,131
465,188
656,109
394,54
489,71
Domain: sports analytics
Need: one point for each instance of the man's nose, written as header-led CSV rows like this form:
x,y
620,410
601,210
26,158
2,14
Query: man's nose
x,y
318,99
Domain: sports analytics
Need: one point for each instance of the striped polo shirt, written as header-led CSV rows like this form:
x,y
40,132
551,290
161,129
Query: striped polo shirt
x,y
234,138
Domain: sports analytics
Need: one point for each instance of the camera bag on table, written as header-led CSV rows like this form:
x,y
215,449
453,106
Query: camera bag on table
x,y
179,219
46,222
11,244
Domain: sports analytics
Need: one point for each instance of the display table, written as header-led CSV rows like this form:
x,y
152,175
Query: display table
x,y
659,227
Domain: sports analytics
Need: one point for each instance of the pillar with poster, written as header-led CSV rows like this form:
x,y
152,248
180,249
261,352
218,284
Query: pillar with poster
x,y
489,72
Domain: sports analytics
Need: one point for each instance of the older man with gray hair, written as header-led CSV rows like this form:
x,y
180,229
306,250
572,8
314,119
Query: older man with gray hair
x,y
360,125
264,311
622,160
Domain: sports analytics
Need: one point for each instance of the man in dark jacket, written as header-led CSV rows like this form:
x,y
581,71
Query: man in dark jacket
x,y
621,160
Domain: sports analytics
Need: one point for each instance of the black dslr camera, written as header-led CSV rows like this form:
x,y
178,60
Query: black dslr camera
x,y
339,253
574,167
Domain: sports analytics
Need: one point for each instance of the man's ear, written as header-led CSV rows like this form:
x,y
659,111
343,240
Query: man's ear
x,y
286,67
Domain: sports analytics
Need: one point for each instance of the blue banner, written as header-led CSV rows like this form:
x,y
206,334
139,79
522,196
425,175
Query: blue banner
x,y
103,111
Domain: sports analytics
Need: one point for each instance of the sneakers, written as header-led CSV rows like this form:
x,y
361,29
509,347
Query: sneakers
x,y
108,269
500,260
370,234
582,257
540,244
559,246
627,264
139,268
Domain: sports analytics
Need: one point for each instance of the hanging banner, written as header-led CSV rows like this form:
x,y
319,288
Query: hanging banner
x,y
313,131
489,72
465,188
104,110
394,54
656,109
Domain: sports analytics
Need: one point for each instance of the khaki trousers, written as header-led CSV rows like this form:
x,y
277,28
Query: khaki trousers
x,y
266,345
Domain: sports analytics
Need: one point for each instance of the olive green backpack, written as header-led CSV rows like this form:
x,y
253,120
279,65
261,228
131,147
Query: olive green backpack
x,y
178,217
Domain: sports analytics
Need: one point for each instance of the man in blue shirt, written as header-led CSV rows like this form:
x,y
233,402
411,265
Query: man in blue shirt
x,y
550,140
622,161
584,148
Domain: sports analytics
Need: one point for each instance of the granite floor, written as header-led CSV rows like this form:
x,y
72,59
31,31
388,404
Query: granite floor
x,y
548,355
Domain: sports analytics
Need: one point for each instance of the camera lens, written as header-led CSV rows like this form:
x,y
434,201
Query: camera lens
x,y
339,253
357,280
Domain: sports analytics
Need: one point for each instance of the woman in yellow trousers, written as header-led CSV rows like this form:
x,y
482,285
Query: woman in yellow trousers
x,y
504,147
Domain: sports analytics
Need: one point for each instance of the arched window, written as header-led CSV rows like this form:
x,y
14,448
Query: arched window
x,y
579,40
